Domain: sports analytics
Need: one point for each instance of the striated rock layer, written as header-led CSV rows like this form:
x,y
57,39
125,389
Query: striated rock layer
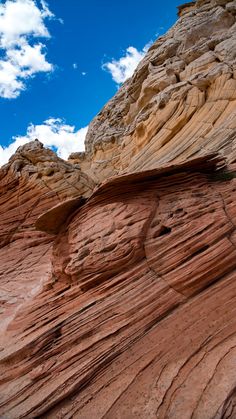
x,y
180,102
118,300
136,318
34,180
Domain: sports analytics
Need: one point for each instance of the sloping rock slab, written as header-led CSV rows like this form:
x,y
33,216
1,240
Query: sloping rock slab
x,y
51,221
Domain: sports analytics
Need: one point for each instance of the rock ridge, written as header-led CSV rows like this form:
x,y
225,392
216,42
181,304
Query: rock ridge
x,y
179,103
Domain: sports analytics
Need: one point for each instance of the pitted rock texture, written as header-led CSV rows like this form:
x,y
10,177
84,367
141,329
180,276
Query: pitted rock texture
x,y
181,101
137,319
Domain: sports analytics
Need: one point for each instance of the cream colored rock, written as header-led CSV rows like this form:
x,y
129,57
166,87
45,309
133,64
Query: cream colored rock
x,y
179,95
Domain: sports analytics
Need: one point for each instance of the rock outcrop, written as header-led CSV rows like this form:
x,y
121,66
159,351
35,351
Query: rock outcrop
x,y
118,267
180,102
140,301
33,181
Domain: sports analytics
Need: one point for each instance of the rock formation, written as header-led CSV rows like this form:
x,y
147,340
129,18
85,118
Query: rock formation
x,y
181,101
118,267
33,181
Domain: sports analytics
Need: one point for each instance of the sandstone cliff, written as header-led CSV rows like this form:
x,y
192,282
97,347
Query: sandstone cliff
x,y
180,102
118,298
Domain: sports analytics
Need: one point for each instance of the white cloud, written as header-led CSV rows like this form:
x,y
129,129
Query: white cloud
x,y
123,68
75,66
52,133
29,59
83,73
22,18
21,22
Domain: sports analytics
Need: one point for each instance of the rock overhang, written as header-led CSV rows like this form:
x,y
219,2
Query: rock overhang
x,y
56,217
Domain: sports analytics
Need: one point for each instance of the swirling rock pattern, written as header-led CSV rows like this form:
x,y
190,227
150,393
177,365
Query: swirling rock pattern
x,y
118,298
137,319
34,180
181,101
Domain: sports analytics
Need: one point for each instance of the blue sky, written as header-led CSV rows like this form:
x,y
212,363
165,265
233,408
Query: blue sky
x,y
53,64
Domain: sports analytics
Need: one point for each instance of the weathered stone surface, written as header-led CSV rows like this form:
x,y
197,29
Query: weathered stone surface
x,y
51,221
181,101
118,300
34,180
137,319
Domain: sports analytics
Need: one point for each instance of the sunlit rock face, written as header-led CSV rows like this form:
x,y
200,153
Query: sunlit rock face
x,y
118,298
180,102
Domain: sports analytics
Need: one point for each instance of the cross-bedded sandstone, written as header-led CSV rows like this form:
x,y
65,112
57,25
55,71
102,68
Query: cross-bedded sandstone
x,y
140,301
180,101
118,298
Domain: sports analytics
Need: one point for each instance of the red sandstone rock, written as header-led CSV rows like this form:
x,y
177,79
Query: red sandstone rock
x,y
138,320
34,180
119,301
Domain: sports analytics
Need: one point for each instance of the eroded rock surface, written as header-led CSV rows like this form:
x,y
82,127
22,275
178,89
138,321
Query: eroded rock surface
x,y
137,319
118,300
33,181
180,102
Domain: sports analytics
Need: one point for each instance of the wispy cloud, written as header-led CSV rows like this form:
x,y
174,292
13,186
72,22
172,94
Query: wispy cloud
x,y
76,67
22,22
53,132
124,67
